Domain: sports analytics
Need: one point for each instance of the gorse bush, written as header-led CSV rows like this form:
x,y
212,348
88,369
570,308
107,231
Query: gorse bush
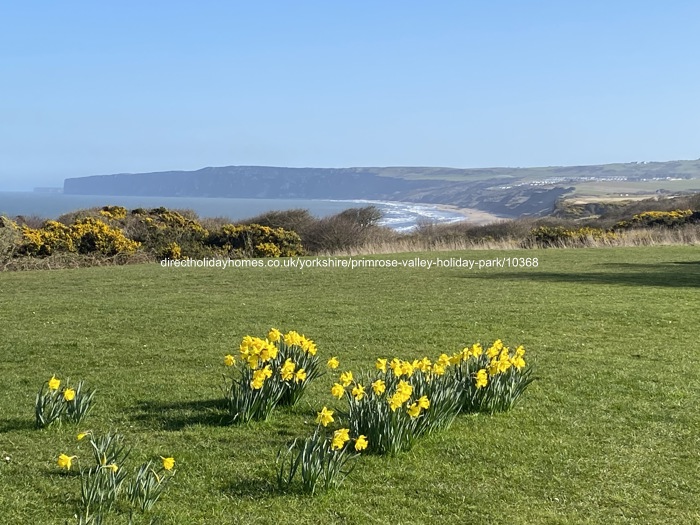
x,y
668,219
559,236
254,240
87,235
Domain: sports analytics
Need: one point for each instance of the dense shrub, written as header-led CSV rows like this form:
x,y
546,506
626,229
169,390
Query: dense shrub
x,y
668,219
345,231
167,233
85,236
10,237
558,236
254,240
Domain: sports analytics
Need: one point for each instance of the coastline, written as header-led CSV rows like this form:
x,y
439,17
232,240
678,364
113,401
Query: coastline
x,y
472,215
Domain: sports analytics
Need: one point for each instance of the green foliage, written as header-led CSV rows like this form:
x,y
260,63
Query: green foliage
x,y
320,461
667,219
253,240
85,236
53,405
608,368
147,486
271,371
559,236
492,381
167,233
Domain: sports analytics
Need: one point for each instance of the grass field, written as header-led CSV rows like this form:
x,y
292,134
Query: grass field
x,y
608,433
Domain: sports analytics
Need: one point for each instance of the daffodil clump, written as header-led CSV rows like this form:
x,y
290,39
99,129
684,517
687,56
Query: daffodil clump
x,y
398,402
401,400
107,478
54,404
321,461
492,380
269,372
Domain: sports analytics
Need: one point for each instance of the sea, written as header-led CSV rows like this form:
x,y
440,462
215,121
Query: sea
x,y
400,216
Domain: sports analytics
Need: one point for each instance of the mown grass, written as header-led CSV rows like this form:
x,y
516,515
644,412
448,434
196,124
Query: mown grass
x,y
608,433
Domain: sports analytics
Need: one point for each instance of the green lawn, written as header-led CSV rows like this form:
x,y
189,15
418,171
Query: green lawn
x,y
608,433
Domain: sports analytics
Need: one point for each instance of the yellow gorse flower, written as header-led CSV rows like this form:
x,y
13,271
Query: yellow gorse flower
x,y
69,394
65,461
54,383
168,463
324,417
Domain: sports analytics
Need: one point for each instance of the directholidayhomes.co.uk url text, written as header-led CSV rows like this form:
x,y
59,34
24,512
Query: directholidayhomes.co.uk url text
x,y
354,263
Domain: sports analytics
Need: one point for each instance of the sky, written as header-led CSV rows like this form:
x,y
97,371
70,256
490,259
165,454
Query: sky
x,y
90,88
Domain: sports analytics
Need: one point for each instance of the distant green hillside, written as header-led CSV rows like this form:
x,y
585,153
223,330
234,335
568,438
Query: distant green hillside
x,y
509,192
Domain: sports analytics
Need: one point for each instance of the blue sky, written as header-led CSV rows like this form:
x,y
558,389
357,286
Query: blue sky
x,y
93,88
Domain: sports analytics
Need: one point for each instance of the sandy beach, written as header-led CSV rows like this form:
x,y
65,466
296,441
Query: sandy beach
x,y
473,215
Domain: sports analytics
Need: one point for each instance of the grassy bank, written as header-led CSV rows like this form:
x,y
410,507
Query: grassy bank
x,y
606,434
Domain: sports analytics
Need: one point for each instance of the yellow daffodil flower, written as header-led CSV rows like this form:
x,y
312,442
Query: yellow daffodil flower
x,y
358,392
337,390
65,461
379,387
361,443
324,417
54,383
481,378
413,410
274,335
346,378
340,437
381,365
168,463
333,363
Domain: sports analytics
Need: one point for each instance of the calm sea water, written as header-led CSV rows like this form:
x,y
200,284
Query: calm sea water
x,y
400,216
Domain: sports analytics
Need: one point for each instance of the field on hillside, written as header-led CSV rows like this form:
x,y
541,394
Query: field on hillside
x,y
608,432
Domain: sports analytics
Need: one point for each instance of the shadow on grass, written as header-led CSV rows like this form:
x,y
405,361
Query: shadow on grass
x,y
17,423
181,414
685,274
